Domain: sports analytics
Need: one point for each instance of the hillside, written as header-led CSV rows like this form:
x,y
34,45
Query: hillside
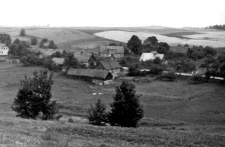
x,y
192,115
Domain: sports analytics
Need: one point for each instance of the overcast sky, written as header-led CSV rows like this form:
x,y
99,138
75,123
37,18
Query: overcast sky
x,y
113,13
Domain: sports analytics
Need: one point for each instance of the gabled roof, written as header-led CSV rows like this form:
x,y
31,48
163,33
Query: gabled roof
x,y
147,56
2,45
150,56
59,61
110,64
93,73
82,57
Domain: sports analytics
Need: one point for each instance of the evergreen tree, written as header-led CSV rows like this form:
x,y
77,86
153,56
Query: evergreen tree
x,y
34,97
22,32
97,114
135,44
126,109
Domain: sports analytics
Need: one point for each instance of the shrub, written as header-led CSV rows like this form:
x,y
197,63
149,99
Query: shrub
x,y
126,109
97,114
33,41
197,79
171,76
34,97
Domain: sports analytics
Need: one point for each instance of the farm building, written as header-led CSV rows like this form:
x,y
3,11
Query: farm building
x,y
100,77
151,56
58,61
4,50
86,59
109,65
112,51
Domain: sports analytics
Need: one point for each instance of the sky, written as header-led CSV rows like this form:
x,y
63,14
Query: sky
x,y
112,13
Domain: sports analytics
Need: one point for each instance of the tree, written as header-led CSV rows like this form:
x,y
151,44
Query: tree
x,y
97,114
126,109
33,41
22,32
34,97
134,44
151,40
70,61
52,45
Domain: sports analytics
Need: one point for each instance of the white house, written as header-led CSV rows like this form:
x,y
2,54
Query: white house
x,y
151,56
4,49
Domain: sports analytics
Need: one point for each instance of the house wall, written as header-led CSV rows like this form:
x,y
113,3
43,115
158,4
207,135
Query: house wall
x,y
4,50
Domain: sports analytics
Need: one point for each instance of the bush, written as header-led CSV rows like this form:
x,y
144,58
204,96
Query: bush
x,y
126,109
197,79
97,114
34,97
33,41
170,76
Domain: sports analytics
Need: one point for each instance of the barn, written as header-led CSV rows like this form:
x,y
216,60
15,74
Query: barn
x,y
99,77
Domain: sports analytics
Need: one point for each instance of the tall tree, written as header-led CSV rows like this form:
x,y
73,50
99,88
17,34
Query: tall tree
x,y
135,44
126,109
22,32
34,97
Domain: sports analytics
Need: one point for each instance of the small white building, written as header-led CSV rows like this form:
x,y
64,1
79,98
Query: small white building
x,y
4,50
151,56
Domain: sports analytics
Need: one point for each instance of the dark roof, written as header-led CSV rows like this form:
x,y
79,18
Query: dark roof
x,y
82,57
93,73
110,64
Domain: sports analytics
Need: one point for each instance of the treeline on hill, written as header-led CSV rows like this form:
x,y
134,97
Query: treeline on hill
x,y
44,43
218,27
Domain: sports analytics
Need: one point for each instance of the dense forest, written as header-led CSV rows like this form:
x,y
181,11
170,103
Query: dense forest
x,y
219,27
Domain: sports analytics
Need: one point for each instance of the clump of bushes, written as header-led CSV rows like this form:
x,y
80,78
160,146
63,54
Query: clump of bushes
x,y
126,110
170,76
197,79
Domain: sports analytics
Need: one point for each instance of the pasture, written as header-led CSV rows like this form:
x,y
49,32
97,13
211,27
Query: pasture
x,y
172,101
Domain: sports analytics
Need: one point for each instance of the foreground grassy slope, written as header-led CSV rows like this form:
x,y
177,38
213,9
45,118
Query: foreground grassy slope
x,y
30,133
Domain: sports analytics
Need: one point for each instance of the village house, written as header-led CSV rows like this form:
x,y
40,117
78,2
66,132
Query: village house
x,y
4,50
112,51
151,56
110,65
86,59
100,77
